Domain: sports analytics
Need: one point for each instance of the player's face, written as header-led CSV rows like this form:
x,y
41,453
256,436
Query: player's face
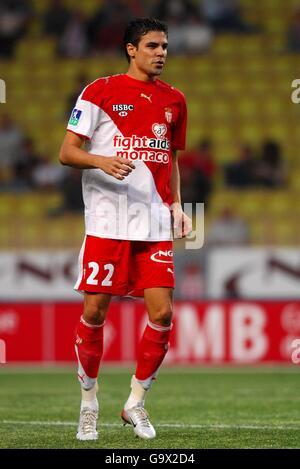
x,y
151,53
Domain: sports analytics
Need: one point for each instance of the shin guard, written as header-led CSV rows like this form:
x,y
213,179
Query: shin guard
x,y
89,349
152,350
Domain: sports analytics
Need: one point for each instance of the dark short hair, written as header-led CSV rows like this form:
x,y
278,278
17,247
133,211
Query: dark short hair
x,y
138,28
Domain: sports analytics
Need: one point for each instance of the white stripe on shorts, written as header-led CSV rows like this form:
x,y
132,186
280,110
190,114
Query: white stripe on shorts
x,y
80,265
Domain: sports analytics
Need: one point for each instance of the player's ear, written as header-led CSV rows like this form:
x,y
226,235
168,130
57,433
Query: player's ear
x,y
131,50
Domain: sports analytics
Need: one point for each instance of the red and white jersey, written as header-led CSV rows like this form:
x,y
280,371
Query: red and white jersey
x,y
140,121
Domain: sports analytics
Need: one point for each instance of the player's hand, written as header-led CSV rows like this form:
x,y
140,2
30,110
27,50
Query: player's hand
x,y
116,166
182,224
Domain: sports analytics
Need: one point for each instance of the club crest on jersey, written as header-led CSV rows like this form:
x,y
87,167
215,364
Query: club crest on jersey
x,y
75,116
168,114
159,130
122,109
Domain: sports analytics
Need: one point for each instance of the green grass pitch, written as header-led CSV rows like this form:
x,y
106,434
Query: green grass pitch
x,y
190,408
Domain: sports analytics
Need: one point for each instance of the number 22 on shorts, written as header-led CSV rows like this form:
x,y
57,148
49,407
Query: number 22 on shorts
x,y
95,270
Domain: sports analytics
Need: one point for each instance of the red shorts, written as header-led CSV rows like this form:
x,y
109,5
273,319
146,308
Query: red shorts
x,y
125,267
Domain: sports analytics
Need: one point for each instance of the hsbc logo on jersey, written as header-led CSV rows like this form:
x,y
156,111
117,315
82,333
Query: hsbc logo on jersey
x,y
163,257
122,109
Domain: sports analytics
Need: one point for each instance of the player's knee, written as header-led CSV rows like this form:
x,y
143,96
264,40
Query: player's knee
x,y
162,316
94,314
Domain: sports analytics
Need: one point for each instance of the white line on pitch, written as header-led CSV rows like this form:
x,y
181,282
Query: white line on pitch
x,y
113,369
162,425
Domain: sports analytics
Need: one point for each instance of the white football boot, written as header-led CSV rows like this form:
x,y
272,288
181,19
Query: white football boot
x,y
87,427
138,417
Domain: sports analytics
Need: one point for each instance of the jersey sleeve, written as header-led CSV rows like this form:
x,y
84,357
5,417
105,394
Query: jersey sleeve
x,y
85,116
179,130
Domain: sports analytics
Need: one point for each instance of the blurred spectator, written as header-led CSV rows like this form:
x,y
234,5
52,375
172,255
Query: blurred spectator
x,y
106,28
180,10
56,18
21,167
137,8
15,16
81,83
74,40
227,230
11,148
24,168
193,37
192,284
198,169
294,33
225,16
242,173
271,169
188,33
71,190
47,175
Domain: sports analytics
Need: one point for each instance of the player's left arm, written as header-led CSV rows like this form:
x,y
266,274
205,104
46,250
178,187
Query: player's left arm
x,y
182,224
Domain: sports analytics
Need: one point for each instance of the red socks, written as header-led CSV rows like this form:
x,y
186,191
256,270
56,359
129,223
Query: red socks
x,y
89,349
152,350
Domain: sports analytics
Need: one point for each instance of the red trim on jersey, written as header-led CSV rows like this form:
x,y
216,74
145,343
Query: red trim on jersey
x,y
92,93
140,82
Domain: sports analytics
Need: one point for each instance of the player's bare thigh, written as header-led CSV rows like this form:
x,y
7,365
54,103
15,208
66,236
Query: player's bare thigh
x,y
95,307
159,304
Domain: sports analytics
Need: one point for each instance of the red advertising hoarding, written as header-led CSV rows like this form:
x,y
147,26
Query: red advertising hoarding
x,y
203,332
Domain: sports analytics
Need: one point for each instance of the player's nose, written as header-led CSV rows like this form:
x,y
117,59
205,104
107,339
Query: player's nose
x,y
160,52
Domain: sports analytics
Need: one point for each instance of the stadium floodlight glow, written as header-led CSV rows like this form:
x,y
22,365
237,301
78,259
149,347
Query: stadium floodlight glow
x,y
2,91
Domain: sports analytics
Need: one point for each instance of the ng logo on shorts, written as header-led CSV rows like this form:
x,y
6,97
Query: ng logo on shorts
x,y
162,256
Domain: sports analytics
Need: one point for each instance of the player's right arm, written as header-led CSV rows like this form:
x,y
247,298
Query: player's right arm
x,y
72,154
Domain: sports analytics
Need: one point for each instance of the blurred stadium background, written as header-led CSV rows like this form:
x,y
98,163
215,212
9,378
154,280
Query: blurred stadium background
x,y
237,297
